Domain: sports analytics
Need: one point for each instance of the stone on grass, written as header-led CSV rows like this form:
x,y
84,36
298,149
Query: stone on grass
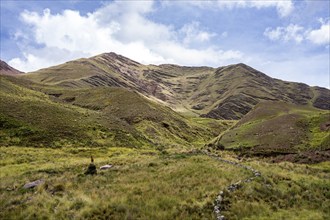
x,y
105,167
33,184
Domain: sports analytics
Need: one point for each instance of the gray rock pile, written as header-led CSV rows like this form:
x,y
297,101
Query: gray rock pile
x,y
91,170
219,201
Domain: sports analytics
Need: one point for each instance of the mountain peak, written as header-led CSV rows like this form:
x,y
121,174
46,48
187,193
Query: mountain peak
x,y
111,57
5,69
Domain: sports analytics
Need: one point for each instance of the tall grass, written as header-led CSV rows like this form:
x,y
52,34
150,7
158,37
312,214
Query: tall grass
x,y
286,191
143,184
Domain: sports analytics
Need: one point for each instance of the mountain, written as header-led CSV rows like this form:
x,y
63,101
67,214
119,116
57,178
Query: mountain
x,y
112,100
5,69
227,92
38,115
295,132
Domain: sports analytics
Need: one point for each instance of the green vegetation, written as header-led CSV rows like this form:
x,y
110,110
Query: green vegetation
x,y
281,128
143,184
285,191
36,115
174,185
118,111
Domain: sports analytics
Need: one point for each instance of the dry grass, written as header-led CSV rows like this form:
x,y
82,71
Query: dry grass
x,y
142,185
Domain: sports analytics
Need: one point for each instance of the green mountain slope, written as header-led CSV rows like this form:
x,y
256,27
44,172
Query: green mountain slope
x,y
32,114
224,93
273,128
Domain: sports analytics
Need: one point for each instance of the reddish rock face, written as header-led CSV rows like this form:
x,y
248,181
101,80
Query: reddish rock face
x,y
5,69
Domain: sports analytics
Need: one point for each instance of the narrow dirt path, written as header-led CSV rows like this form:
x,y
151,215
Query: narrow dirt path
x,y
218,203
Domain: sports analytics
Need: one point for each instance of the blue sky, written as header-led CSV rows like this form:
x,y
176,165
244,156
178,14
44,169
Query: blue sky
x,y
285,39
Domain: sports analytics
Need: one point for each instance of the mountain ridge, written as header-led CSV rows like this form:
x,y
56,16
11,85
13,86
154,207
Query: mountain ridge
x,y
227,92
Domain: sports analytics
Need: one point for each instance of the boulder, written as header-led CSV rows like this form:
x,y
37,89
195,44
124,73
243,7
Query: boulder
x,y
33,184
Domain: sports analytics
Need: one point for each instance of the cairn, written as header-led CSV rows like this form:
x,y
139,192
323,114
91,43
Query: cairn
x,y
91,170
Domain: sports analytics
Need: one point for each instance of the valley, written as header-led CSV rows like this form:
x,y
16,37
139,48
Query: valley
x,y
175,136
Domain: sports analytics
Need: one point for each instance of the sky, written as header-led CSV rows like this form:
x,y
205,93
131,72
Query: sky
x,y
286,39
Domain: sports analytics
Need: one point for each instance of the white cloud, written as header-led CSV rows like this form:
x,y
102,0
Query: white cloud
x,y
183,56
298,33
119,26
321,35
284,8
44,57
291,32
193,34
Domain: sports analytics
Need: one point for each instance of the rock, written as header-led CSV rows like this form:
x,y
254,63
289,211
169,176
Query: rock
x,y
257,174
105,167
33,184
198,106
91,169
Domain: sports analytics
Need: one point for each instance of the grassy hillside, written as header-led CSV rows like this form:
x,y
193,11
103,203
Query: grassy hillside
x,y
224,93
49,116
279,128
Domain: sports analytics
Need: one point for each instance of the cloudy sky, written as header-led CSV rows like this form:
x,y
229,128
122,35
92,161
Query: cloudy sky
x,y
285,39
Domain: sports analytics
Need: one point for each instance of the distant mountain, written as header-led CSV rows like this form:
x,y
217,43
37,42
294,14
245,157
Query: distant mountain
x,y
5,69
110,100
227,92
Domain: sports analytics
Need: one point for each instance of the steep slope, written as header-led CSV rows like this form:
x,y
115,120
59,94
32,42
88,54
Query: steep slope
x,y
5,69
94,117
274,128
224,93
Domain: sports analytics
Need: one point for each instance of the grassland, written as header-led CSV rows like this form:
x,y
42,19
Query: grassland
x,y
148,184
285,191
143,184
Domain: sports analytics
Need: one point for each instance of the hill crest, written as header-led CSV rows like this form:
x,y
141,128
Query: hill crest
x,y
227,92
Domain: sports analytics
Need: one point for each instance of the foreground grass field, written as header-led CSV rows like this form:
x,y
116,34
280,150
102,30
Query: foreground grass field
x,y
149,184
285,191
143,184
